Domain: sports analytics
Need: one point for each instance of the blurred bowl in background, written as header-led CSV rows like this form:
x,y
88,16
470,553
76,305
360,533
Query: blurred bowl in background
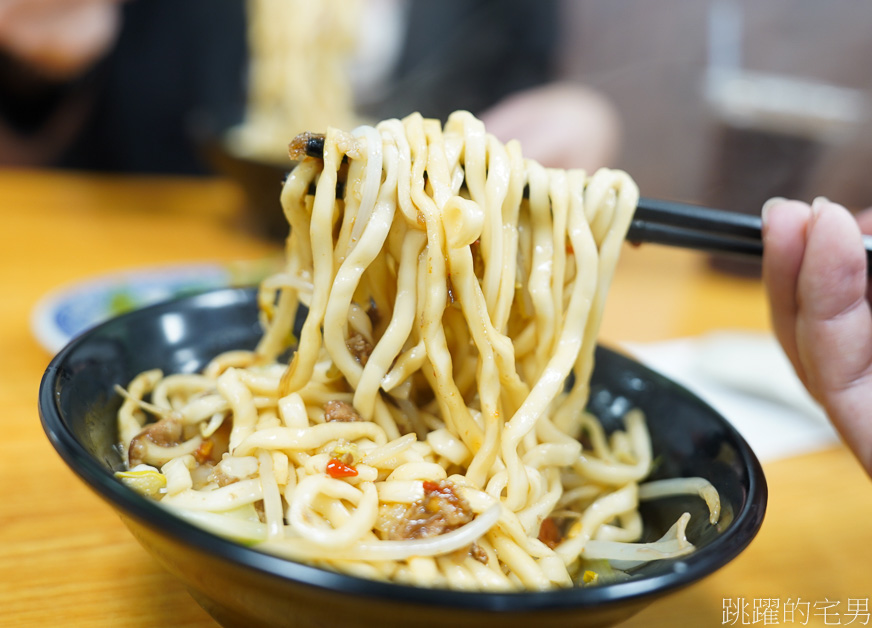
x,y
260,179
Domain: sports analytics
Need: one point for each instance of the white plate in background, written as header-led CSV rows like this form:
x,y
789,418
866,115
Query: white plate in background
x,y
69,310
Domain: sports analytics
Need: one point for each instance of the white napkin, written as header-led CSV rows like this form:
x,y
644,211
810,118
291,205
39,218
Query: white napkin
x,y
747,378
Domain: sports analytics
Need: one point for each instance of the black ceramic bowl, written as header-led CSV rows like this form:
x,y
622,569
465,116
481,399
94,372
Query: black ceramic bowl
x,y
243,587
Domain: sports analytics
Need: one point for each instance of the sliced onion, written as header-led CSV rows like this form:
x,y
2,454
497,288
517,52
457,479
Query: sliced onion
x,y
684,486
227,525
627,555
640,552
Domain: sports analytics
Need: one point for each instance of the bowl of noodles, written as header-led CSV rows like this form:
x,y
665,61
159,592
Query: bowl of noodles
x,y
411,422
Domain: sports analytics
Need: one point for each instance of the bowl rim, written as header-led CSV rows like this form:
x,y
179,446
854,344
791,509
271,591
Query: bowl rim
x,y
693,567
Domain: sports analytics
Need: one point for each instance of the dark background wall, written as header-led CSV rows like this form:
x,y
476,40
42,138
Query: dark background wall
x,y
650,58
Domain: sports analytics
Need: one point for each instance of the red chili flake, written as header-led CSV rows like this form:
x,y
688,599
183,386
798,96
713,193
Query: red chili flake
x,y
430,486
204,451
338,469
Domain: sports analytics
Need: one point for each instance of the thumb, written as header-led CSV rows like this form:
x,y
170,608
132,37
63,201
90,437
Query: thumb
x,y
834,324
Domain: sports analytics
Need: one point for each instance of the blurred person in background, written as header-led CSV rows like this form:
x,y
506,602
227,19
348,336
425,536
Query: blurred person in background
x,y
125,86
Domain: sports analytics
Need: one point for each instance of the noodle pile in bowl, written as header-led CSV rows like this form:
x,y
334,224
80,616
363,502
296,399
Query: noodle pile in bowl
x,y
423,431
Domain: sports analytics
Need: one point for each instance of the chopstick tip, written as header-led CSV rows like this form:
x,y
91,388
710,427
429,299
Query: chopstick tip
x,y
307,144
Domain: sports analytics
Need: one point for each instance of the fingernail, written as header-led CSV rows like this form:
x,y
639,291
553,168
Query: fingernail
x,y
768,205
818,204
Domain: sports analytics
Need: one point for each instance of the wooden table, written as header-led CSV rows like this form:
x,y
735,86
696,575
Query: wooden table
x,y
66,559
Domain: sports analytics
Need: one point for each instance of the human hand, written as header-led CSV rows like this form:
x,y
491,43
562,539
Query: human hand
x,y
814,271
61,38
561,125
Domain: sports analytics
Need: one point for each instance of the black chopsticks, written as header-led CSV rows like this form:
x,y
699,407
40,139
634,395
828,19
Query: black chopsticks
x,y
655,221
694,227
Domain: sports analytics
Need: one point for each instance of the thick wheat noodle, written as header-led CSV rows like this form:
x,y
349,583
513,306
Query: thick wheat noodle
x,y
415,281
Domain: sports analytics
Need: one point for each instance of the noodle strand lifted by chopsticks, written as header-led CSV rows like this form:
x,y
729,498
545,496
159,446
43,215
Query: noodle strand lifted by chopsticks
x,y
423,431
